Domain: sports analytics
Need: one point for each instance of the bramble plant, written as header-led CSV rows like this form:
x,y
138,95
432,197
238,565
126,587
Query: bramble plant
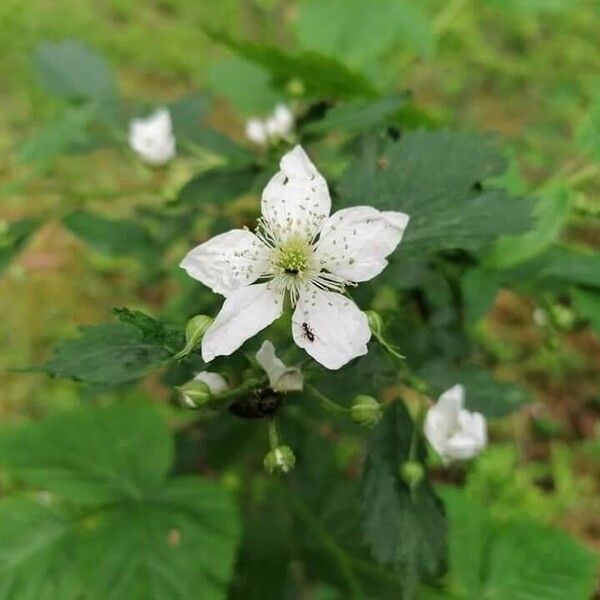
x,y
308,411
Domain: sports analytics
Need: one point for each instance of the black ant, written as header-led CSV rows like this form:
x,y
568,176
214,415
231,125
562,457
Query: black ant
x,y
309,334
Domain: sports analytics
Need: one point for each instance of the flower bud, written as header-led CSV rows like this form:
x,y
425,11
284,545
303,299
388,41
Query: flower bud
x,y
280,460
194,394
412,473
194,332
375,322
295,87
562,317
366,411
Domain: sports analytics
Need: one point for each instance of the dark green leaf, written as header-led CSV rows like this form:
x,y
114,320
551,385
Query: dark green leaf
x,y
72,70
216,186
435,177
108,354
14,237
318,74
483,393
407,531
479,288
187,114
93,457
114,237
358,115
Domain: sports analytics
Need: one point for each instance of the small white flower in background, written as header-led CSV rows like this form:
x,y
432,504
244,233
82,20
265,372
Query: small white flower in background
x,y
279,125
454,432
299,250
256,131
281,377
152,138
216,383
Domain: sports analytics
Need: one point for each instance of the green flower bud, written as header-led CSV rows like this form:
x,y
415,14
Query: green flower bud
x,y
194,332
295,87
412,473
280,460
562,317
375,322
194,394
366,411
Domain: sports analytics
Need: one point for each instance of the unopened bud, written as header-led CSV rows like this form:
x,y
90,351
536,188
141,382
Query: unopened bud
x,y
280,460
366,411
295,87
194,332
194,394
412,473
562,317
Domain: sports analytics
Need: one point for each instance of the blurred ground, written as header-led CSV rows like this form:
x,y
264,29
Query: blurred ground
x,y
528,69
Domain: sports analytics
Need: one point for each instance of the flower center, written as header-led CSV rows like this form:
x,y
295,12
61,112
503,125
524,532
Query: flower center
x,y
293,257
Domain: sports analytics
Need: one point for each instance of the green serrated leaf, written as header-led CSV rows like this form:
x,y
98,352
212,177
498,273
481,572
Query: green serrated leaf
x,y
90,456
113,237
405,530
484,394
13,237
551,212
133,534
319,75
155,332
109,354
73,71
358,115
436,178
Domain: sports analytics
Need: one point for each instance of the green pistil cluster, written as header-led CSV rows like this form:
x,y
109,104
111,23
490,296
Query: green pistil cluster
x,y
294,257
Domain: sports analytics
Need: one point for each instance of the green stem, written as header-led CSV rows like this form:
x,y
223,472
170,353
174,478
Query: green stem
x,y
337,553
273,435
326,403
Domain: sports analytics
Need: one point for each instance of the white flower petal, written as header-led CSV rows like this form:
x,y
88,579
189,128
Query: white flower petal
x,y
256,131
281,377
152,138
355,242
227,261
282,121
454,432
216,383
296,200
330,327
245,312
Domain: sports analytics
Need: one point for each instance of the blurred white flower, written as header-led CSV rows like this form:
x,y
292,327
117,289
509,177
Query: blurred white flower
x,y
256,131
454,432
298,249
216,383
152,138
279,125
281,377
